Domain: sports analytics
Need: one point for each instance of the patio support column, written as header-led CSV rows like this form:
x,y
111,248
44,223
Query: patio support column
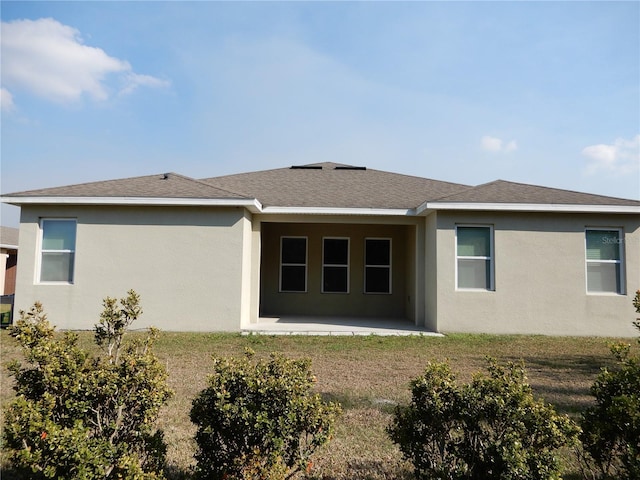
x,y
256,261
419,273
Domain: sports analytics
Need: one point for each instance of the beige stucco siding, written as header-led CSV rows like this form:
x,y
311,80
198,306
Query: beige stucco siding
x,y
431,272
187,263
217,269
540,277
414,244
399,304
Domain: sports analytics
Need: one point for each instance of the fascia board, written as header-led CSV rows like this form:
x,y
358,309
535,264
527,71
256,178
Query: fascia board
x,y
253,205
528,207
396,212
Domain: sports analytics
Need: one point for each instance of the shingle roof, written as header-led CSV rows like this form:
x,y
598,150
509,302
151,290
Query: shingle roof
x,y
167,185
323,185
9,237
335,185
501,191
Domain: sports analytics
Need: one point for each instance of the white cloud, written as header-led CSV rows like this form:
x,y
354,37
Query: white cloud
x,y
621,157
49,59
135,80
493,144
6,100
512,146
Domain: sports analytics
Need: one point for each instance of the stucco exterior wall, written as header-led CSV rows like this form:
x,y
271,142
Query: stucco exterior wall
x,y
254,285
411,250
540,277
187,263
431,273
354,303
217,269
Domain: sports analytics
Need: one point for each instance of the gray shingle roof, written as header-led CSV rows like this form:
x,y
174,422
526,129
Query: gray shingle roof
x,y
501,191
167,185
324,185
9,236
335,185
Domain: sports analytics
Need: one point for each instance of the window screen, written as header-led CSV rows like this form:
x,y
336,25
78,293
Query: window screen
x,y
335,265
377,270
603,257
293,264
474,258
58,250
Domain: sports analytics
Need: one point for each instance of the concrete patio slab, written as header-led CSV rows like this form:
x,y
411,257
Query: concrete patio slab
x,y
311,325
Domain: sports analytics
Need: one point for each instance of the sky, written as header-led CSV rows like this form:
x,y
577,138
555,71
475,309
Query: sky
x,y
545,93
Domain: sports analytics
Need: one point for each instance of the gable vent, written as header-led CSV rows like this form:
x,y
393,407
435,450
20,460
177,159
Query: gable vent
x,y
348,167
306,167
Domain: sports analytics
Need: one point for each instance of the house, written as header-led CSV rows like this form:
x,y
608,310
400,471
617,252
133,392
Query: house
x,y
8,259
218,254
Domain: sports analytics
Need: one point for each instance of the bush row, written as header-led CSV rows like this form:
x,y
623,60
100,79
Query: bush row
x,y
82,417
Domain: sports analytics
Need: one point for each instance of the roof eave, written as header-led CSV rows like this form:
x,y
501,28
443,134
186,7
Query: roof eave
x,y
396,212
251,204
427,207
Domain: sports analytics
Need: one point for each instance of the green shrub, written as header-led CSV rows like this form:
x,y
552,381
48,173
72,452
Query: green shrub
x,y
611,428
259,419
491,428
80,417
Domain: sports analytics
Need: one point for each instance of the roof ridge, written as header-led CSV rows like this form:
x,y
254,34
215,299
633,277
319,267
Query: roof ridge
x,y
538,187
206,179
152,178
81,184
419,178
467,188
202,182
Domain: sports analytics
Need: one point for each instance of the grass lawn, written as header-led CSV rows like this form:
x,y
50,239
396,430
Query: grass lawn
x,y
367,375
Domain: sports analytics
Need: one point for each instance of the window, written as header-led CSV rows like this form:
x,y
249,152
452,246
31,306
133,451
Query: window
x,y
377,268
293,264
58,250
335,265
474,257
604,261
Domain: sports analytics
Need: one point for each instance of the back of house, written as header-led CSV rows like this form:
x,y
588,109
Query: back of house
x,y
332,240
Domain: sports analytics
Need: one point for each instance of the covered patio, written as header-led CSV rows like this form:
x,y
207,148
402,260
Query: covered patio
x,y
349,269
330,325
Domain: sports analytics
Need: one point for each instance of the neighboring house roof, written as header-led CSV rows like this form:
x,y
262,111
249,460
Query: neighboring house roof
x,y
9,238
325,188
332,185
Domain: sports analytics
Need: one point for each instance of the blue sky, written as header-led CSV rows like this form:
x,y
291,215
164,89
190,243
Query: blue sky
x,y
545,93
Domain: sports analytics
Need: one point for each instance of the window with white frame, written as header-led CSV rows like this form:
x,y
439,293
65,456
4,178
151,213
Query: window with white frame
x,y
58,250
604,260
377,268
335,265
474,257
293,264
